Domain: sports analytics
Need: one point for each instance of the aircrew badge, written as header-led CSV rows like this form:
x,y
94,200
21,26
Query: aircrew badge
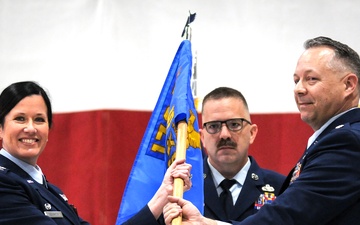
x,y
268,188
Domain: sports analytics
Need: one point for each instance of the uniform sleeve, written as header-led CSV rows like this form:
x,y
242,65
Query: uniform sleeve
x,y
327,189
143,217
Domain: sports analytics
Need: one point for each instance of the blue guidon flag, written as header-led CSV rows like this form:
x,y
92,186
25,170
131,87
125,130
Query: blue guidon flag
x,y
158,147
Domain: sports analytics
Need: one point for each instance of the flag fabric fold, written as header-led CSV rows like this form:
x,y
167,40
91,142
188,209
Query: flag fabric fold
x,y
158,146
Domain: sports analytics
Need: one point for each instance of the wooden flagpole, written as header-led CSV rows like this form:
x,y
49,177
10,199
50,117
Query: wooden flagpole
x,y
180,154
182,134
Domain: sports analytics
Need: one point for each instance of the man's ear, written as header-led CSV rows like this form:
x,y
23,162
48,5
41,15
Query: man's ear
x,y
351,81
253,132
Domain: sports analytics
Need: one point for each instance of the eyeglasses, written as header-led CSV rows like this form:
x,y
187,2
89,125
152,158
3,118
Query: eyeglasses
x,y
235,124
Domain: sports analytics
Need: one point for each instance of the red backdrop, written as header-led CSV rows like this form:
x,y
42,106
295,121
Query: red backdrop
x,y
90,154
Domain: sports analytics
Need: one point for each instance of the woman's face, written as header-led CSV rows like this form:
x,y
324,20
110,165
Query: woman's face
x,y
26,129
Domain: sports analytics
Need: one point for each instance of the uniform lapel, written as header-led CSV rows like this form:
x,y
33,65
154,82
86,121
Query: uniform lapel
x,y
50,195
211,199
246,198
250,191
349,117
53,197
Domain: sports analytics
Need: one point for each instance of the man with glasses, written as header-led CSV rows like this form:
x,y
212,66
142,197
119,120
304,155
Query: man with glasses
x,y
226,137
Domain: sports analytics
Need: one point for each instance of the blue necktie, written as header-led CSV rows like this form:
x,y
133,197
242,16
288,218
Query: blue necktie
x,y
225,196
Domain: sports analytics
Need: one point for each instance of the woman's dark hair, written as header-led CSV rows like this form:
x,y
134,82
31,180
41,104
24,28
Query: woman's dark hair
x,y
14,93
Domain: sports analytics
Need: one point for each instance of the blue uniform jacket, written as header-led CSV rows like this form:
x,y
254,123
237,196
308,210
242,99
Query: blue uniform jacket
x,y
324,186
244,206
256,179
23,201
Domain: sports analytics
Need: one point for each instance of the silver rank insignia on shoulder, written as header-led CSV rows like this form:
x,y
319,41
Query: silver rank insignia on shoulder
x,y
340,126
64,197
2,168
268,188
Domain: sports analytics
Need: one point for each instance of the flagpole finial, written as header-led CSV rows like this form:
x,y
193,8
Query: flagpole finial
x,y
187,29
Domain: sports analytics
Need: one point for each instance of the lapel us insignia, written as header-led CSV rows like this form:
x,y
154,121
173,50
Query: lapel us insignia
x,y
47,206
254,176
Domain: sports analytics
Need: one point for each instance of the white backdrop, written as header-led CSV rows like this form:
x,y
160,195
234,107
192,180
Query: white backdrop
x,y
115,54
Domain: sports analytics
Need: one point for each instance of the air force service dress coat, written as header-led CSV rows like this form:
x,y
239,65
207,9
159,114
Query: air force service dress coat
x,y
324,186
256,179
23,201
